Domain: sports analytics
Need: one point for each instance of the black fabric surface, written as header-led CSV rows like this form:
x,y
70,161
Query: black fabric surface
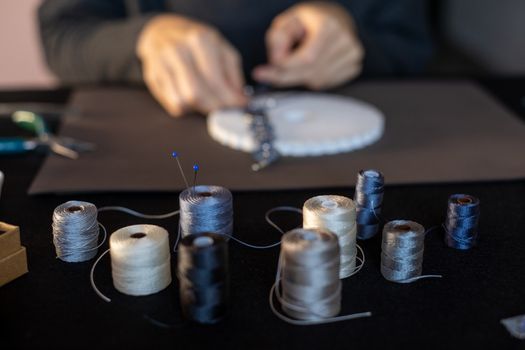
x,y
53,306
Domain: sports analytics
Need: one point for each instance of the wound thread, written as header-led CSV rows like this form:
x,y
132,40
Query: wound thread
x,y
368,199
204,277
461,224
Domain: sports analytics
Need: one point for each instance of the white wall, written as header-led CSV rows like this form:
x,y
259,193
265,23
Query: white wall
x,y
21,59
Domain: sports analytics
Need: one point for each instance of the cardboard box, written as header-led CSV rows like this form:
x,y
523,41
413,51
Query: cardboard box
x,y
9,239
13,266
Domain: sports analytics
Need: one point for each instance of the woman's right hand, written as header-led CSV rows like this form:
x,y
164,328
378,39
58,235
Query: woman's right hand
x,y
188,66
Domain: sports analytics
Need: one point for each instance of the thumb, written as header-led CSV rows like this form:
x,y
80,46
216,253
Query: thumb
x,y
285,31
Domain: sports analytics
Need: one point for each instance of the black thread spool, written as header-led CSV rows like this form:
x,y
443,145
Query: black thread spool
x,y
368,198
461,224
204,277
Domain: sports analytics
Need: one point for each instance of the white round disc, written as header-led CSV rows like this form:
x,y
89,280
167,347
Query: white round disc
x,y
305,124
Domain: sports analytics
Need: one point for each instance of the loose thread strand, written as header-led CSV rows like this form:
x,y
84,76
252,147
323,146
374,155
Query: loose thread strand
x,y
92,278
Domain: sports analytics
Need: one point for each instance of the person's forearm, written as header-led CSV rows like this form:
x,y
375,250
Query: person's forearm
x,y
84,44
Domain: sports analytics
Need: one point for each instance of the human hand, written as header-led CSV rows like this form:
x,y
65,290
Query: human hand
x,y
189,66
313,44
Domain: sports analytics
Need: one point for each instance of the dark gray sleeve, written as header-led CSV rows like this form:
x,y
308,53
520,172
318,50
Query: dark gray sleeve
x,y
90,41
394,33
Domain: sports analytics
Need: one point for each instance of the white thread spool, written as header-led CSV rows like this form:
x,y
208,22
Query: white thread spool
x,y
140,259
336,214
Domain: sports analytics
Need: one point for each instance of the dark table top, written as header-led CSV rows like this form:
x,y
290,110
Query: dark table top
x,y
54,306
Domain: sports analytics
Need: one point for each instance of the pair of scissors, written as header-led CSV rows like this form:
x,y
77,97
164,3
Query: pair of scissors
x,y
64,146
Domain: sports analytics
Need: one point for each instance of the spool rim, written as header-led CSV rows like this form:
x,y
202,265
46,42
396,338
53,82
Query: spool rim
x,y
308,236
202,242
464,200
371,173
329,204
74,209
402,227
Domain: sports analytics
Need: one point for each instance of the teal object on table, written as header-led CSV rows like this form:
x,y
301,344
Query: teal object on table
x,y
15,145
32,122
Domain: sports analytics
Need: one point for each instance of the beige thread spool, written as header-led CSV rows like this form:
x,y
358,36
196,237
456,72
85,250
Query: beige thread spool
x,y
336,214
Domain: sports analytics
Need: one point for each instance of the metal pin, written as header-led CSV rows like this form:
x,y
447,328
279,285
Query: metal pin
x,y
176,156
195,171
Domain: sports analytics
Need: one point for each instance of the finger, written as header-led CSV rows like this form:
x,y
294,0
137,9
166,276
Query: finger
x,y
309,51
162,86
207,50
233,70
282,77
297,69
286,30
193,91
344,68
316,74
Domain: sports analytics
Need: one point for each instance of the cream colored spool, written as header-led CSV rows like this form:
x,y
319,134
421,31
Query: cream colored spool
x,y
140,259
305,124
335,214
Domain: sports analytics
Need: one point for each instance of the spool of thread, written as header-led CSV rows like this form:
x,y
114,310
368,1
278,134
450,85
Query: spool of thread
x,y
206,209
140,259
309,274
336,214
75,231
461,225
368,199
204,277
402,251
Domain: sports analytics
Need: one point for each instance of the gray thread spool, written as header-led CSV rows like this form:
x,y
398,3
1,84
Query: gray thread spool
x,y
311,289
75,231
402,251
206,209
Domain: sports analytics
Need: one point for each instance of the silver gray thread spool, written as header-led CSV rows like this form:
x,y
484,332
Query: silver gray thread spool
x,y
336,214
206,209
75,231
309,266
402,251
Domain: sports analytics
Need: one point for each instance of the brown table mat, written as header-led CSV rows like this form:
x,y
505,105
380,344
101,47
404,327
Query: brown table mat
x,y
435,132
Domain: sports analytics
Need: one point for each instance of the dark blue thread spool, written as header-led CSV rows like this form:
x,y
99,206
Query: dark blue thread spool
x,y
204,277
461,225
368,198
